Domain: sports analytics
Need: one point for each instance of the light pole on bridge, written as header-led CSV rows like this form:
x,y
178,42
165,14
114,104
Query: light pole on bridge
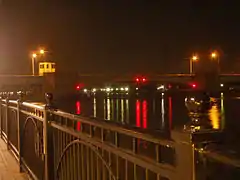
x,y
34,57
215,56
192,60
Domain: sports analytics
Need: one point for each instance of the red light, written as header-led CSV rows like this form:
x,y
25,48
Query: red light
x,y
79,86
193,85
137,79
144,79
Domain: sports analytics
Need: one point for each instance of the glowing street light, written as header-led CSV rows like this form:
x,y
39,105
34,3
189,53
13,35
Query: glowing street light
x,y
192,59
215,56
42,51
34,56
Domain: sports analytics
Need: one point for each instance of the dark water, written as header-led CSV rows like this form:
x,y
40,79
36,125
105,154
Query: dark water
x,y
158,112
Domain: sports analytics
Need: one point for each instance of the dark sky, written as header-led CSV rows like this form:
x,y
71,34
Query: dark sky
x,y
117,36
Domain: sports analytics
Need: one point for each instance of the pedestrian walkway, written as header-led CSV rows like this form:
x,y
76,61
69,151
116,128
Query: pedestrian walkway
x,y
9,169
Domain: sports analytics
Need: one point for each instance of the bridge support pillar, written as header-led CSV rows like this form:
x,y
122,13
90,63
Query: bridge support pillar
x,y
185,162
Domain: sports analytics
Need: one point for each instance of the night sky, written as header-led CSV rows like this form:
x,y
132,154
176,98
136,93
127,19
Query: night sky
x,y
127,36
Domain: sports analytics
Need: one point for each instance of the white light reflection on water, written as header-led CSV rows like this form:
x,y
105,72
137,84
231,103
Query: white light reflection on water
x,y
127,111
222,112
108,109
94,107
122,111
163,112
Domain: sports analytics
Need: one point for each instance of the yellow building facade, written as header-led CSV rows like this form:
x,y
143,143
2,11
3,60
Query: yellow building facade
x,y
46,67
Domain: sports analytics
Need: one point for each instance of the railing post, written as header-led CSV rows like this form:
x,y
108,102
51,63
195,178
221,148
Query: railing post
x,y
185,160
1,117
7,125
19,102
48,141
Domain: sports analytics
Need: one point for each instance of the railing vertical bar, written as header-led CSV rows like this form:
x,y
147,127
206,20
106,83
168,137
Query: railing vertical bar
x,y
98,174
135,171
92,165
69,158
117,167
75,158
60,153
1,119
126,169
146,174
7,125
88,163
79,167
19,136
103,166
109,162
82,159
158,177
64,157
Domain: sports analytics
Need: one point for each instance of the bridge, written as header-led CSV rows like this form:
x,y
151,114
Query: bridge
x,y
62,83
51,144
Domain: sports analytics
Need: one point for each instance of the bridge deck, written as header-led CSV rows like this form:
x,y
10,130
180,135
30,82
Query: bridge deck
x,y
9,169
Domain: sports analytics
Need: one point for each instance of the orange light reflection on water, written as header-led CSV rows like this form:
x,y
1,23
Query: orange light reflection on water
x,y
214,117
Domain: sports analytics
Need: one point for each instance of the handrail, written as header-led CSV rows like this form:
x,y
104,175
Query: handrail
x,y
31,105
115,128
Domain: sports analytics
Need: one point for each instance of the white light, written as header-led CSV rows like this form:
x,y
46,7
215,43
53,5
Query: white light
x,y
126,89
162,94
136,88
108,89
94,90
160,87
122,89
85,90
111,89
221,85
116,89
192,99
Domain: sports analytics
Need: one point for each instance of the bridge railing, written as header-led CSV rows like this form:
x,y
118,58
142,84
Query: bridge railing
x,y
52,144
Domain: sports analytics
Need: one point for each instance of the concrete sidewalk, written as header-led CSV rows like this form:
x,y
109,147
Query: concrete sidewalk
x,y
9,169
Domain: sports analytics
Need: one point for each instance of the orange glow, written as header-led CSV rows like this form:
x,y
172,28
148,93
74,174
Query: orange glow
x,y
195,58
144,110
214,116
214,55
138,115
34,55
42,51
170,112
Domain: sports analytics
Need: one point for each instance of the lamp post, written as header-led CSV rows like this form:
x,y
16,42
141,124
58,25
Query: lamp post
x,y
34,55
215,56
192,59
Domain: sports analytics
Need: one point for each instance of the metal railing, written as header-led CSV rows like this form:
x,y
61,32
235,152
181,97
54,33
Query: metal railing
x,y
52,144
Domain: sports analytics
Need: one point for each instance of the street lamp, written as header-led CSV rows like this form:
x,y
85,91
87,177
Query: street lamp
x,y
34,55
192,59
215,56
42,51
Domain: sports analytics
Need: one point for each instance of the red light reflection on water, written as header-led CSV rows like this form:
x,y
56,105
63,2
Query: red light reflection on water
x,y
78,111
144,111
138,113
141,109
